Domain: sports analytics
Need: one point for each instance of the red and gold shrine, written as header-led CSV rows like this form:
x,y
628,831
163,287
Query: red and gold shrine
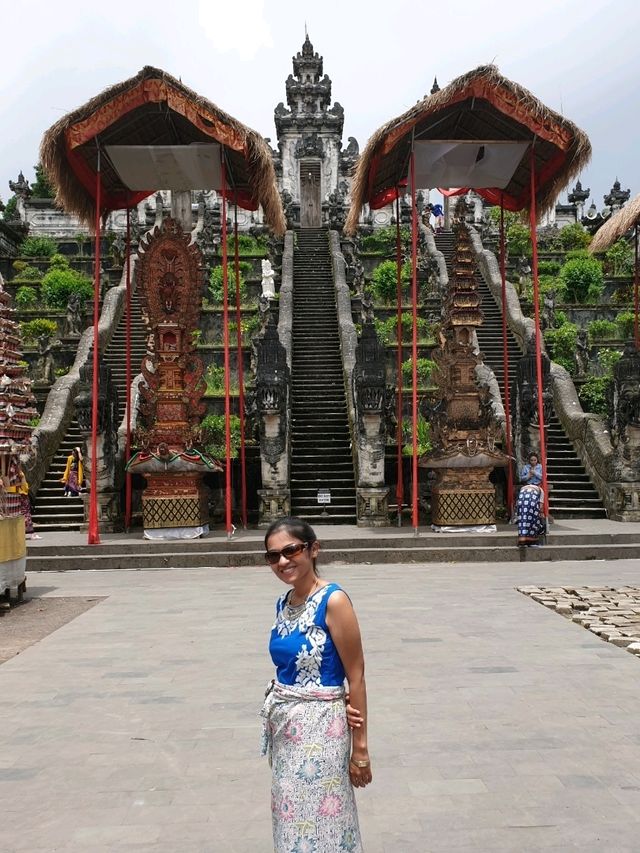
x,y
175,501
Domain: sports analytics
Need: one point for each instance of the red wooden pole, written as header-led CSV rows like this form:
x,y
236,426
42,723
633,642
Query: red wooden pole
x,y
414,344
93,537
536,304
400,482
505,364
636,287
127,451
243,460
227,365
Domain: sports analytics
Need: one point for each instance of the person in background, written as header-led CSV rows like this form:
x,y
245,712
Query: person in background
x,y
531,473
439,215
73,476
21,489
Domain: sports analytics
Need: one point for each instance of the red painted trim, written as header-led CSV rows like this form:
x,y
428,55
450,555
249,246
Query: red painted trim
x,y
127,448
227,361
93,535
243,459
400,483
505,365
414,345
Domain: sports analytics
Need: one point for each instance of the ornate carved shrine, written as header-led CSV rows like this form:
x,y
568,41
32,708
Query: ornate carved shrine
x,y
462,431
169,283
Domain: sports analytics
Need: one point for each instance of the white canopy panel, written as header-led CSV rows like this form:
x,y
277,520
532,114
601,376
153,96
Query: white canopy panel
x,y
457,163
168,167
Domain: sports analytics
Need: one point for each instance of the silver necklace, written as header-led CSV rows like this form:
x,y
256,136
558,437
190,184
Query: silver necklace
x,y
294,611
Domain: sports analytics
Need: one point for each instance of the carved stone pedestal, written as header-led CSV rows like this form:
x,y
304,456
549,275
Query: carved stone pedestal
x,y
373,507
109,513
179,500
274,504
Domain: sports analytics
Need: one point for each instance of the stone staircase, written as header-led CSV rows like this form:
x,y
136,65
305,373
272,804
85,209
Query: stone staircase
x,y
571,493
320,439
52,511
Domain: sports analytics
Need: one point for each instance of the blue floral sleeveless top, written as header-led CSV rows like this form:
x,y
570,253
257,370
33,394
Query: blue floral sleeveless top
x,y
301,648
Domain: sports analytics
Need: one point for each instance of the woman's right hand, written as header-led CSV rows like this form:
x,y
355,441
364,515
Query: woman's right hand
x,y
354,716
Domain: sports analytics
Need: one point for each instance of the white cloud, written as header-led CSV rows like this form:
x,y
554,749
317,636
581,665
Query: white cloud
x,y
238,26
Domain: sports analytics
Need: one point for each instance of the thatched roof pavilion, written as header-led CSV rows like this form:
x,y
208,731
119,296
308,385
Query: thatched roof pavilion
x,y
153,109
480,106
617,226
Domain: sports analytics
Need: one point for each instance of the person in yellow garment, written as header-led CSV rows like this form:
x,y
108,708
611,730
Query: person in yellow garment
x,y
21,488
73,476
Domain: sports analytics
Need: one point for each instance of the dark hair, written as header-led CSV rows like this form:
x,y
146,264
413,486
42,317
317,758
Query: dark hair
x,y
296,527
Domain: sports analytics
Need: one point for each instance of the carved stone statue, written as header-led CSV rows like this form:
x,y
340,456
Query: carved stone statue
x,y
548,317
369,397
358,277
524,275
45,369
267,408
624,403
366,309
582,353
268,277
74,317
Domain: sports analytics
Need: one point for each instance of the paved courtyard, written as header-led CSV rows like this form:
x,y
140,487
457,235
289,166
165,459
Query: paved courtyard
x,y
496,724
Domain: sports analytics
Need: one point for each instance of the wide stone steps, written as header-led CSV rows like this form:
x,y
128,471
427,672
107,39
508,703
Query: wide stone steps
x,y
320,440
378,549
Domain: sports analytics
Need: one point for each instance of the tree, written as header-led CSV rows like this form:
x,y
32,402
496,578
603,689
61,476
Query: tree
x,y
41,188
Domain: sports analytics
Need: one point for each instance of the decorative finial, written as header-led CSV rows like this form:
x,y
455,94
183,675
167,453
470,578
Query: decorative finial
x,y
435,88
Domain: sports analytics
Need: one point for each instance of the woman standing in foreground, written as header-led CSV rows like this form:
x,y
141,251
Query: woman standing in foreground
x,y
315,644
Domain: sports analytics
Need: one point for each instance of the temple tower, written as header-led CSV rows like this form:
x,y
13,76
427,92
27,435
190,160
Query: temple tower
x,y
311,164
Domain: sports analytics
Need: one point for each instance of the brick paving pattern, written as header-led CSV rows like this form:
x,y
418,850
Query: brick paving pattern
x,y
613,614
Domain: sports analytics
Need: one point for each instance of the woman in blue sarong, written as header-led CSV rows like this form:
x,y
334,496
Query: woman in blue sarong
x,y
315,645
531,521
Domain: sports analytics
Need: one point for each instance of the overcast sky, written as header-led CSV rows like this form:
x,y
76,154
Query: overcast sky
x,y
580,57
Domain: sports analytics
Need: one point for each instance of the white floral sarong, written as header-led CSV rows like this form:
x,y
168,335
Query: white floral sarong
x,y
308,740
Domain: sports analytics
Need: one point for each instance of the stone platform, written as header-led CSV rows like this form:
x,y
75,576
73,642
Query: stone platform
x,y
577,539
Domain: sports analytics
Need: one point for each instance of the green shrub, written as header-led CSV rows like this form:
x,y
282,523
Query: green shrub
x,y
59,262
41,188
626,323
619,258
33,329
593,394
583,279
249,326
387,330
61,371
425,369
384,281
424,436
247,245
11,210
518,240
608,358
561,342
551,268
384,239
574,236
59,283
29,273
19,266
38,247
214,377
561,318
602,330
214,436
26,297
216,283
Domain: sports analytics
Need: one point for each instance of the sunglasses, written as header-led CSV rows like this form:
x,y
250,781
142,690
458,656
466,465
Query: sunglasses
x,y
287,552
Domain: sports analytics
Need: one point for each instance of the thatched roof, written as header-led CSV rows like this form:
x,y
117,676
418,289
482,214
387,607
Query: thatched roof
x,y
480,105
616,226
153,108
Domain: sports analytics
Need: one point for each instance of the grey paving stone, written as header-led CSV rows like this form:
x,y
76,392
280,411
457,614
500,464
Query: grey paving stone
x,y
496,724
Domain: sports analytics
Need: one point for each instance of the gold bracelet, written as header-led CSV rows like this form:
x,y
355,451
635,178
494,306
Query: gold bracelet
x,y
360,764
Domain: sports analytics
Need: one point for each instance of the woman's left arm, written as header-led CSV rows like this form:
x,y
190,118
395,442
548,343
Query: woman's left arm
x,y
345,632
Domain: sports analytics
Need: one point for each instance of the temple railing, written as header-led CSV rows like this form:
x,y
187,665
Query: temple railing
x,y
285,302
